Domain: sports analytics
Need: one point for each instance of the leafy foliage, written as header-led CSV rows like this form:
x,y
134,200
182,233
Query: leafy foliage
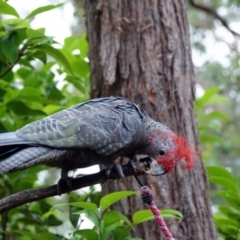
x,y
227,218
110,223
38,77
227,201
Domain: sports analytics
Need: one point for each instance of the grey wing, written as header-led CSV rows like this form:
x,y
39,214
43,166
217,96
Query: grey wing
x,y
105,125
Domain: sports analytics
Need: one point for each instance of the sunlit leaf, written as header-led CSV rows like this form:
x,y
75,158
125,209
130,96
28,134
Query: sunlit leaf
x,y
214,115
200,102
42,9
218,99
220,172
55,53
231,197
228,211
146,215
220,220
210,138
113,216
83,45
228,184
5,8
112,198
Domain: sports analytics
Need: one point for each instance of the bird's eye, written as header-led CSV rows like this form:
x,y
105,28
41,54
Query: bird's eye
x,y
161,152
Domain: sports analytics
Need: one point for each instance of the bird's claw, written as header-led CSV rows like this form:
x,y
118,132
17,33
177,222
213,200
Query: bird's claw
x,y
131,163
61,183
118,168
63,180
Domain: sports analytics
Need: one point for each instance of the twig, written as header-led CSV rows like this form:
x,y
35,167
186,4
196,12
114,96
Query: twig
x,y
20,54
31,195
212,12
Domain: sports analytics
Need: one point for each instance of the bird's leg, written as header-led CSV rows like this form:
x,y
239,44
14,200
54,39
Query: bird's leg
x,y
118,168
64,178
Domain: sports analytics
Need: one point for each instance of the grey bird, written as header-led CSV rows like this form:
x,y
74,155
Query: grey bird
x,y
94,132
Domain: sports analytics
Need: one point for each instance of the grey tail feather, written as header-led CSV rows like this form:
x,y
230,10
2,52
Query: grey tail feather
x,y
10,138
23,159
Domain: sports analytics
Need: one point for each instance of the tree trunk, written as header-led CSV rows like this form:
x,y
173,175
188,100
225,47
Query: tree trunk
x,y
141,50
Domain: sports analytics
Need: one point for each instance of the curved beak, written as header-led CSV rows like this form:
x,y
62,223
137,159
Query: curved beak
x,y
151,165
155,168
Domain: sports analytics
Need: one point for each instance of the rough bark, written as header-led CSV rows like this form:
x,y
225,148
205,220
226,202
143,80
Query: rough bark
x,y
141,50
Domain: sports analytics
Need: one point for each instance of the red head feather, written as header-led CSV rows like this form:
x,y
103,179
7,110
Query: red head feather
x,y
183,150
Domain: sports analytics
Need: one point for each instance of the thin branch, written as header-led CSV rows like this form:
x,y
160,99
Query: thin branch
x,y
20,54
214,13
31,195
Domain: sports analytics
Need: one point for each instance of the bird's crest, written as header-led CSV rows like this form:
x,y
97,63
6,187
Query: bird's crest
x,y
183,150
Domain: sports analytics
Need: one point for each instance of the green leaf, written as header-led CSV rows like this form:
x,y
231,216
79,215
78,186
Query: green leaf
x,y
55,53
228,211
42,9
231,197
210,138
80,67
9,46
228,184
146,215
77,83
209,127
223,221
92,217
35,236
88,234
121,232
201,102
38,40
214,115
86,205
220,172
218,99
107,231
71,43
52,221
40,32
171,213
40,56
50,109
5,8
112,216
29,93
83,45
111,198
21,109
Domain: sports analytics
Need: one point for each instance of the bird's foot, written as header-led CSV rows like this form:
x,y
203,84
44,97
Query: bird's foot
x,y
133,165
118,168
65,179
